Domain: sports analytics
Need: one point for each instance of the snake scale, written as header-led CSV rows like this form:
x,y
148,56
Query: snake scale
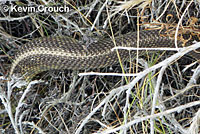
x,y
61,52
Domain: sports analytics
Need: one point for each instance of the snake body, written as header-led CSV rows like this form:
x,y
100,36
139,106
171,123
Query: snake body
x,y
61,52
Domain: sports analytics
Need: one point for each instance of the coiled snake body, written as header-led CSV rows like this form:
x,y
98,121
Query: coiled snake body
x,y
63,52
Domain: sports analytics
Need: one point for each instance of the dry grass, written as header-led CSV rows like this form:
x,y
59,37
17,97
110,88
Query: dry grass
x,y
162,96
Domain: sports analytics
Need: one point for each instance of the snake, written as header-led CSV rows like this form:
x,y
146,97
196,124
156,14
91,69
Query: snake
x,y
63,52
